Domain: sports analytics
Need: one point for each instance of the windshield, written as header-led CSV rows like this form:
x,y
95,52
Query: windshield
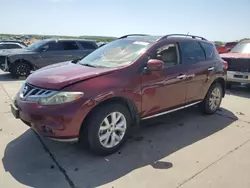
x,y
36,45
243,47
116,54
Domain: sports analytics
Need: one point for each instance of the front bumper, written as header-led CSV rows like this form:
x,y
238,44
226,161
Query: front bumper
x,y
239,77
59,122
4,64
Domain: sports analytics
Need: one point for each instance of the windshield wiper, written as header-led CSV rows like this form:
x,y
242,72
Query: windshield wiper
x,y
89,65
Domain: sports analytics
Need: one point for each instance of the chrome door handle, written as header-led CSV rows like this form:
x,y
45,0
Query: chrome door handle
x,y
210,69
183,76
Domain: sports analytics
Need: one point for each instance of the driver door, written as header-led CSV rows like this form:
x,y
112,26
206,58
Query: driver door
x,y
48,54
164,90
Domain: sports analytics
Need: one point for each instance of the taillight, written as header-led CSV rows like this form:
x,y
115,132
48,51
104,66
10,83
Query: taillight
x,y
225,65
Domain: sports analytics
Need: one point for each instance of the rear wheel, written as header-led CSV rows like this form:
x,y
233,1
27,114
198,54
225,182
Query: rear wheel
x,y
108,128
20,69
212,101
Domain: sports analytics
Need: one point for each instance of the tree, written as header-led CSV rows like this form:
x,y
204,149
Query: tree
x,y
245,39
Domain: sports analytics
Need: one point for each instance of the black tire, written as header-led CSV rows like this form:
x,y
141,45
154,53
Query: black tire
x,y
20,69
94,123
205,107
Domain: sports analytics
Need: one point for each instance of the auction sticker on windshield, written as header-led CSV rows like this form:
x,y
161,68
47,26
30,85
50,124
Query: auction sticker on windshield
x,y
141,43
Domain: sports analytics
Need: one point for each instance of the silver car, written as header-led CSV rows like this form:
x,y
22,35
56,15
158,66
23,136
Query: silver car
x,y
20,62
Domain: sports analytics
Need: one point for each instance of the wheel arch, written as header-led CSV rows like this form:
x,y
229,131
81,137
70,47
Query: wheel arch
x,y
24,61
221,81
117,99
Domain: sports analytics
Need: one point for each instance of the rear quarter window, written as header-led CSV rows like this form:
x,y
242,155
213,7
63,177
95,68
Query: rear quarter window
x,y
88,45
209,49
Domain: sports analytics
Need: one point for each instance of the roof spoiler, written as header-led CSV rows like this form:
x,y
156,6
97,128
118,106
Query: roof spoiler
x,y
132,35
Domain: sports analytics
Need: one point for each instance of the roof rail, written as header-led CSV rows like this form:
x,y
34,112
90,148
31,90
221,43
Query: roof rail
x,y
183,35
131,35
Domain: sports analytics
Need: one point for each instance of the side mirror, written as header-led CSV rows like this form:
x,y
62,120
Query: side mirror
x,y
155,65
76,60
42,49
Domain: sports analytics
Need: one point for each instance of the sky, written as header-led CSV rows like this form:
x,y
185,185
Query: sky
x,y
223,20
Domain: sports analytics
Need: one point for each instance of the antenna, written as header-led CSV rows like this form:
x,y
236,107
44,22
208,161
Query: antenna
x,y
187,34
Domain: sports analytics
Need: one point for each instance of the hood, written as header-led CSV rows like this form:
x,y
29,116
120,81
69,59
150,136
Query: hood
x,y
60,75
9,52
235,55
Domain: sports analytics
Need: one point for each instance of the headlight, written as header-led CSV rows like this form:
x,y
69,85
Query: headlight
x,y
60,98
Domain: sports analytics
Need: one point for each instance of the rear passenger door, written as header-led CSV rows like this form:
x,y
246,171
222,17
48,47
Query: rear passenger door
x,y
199,68
70,50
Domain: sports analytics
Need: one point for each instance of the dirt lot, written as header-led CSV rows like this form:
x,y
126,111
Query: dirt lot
x,y
184,149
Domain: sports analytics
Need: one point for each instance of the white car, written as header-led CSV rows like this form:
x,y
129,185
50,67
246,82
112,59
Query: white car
x,y
10,45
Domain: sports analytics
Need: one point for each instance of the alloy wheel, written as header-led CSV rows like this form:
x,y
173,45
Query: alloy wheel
x,y
214,99
112,129
22,69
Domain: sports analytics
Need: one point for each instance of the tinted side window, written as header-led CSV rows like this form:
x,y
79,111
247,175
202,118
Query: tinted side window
x,y
51,46
12,46
87,45
69,45
168,54
192,52
209,50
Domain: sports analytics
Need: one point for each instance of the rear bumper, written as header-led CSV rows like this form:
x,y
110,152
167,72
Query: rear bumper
x,y
239,77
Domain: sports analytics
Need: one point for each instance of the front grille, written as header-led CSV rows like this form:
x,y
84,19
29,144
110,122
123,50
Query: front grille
x,y
31,93
238,64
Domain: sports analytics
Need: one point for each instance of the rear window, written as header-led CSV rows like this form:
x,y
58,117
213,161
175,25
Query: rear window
x,y
87,45
192,52
209,50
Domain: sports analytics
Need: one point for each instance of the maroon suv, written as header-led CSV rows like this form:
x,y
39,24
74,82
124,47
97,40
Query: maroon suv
x,y
99,98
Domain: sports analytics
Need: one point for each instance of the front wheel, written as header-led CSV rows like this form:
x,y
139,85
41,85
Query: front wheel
x,y
108,128
20,69
212,101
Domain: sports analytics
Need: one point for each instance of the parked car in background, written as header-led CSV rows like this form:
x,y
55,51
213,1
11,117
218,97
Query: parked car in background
x,y
220,49
238,63
136,77
14,41
44,53
11,45
230,45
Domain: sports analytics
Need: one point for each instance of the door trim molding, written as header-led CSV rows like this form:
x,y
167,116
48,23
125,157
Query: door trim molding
x,y
169,111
